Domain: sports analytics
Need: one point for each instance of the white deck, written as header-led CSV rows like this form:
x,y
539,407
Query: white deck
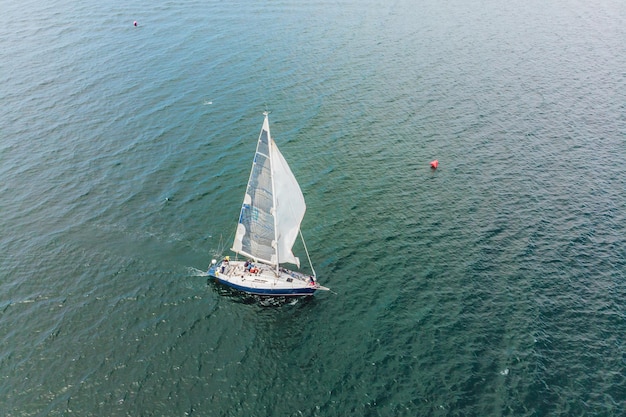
x,y
266,280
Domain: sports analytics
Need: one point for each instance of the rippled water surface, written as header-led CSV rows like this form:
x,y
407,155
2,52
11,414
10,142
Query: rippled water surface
x,y
495,285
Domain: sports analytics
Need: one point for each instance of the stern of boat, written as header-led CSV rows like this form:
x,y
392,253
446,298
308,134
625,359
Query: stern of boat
x,y
213,268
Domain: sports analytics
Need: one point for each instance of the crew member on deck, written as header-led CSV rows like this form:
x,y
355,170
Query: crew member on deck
x,y
225,263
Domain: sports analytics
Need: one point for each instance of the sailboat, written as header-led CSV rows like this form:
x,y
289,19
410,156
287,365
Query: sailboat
x,y
269,224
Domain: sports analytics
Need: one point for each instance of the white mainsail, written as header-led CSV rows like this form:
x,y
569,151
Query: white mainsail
x,y
273,207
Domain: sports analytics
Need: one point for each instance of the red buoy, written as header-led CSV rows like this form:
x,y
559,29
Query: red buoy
x,y
135,23
434,164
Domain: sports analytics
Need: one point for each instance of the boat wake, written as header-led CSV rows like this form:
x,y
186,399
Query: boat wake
x,y
195,272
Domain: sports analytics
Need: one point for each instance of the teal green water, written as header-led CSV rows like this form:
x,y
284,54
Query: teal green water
x,y
493,286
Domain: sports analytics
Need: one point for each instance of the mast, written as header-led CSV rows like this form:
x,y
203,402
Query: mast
x,y
271,144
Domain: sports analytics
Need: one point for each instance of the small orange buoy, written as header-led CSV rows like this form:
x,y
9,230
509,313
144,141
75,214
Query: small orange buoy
x,y
434,164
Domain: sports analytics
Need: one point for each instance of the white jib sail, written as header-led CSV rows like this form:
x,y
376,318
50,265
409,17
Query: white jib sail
x,y
290,206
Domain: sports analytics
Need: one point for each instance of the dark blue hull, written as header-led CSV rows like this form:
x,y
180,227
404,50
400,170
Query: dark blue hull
x,y
285,292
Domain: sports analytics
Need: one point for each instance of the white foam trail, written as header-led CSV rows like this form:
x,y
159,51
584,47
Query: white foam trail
x,y
195,272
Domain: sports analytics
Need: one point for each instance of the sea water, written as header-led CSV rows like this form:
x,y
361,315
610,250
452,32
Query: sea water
x,y
494,285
